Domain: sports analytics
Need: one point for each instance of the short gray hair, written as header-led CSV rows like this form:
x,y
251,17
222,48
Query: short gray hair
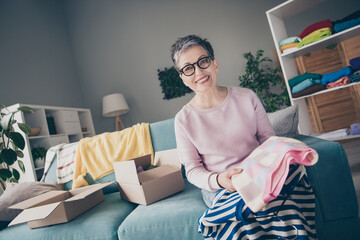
x,y
186,42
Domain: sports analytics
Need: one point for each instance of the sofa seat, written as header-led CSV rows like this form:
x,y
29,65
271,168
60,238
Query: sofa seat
x,y
172,218
100,222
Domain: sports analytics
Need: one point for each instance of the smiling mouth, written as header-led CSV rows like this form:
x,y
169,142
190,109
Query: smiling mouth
x,y
203,80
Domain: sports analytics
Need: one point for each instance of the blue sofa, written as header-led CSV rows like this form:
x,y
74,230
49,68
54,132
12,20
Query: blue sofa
x,y
176,216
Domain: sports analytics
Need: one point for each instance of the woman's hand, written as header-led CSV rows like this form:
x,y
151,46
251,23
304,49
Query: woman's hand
x,y
224,178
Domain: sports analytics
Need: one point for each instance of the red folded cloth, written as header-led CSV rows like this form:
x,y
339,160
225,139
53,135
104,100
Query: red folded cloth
x,y
340,82
315,26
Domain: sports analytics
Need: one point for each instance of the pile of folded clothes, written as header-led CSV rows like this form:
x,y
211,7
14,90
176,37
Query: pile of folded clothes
x,y
355,129
347,22
309,83
318,31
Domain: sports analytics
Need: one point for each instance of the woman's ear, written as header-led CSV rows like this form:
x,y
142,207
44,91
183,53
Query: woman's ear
x,y
216,65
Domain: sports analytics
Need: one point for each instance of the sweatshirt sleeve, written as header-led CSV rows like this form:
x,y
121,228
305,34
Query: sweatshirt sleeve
x,y
196,173
264,128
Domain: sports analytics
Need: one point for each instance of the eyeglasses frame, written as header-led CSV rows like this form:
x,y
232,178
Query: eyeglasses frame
x,y
197,63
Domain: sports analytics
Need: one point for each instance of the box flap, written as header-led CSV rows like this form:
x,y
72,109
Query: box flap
x,y
167,157
126,171
46,198
83,192
35,213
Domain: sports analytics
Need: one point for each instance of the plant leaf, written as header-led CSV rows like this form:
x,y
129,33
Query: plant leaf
x,y
24,127
5,174
18,140
8,156
21,165
16,174
26,109
19,153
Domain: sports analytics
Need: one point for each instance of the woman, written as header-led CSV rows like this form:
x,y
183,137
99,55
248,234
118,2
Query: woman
x,y
220,126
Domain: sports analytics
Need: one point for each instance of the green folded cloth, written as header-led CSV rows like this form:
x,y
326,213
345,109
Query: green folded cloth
x,y
289,40
314,38
298,79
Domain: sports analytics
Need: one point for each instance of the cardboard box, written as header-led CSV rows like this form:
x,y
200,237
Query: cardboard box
x,y
149,186
58,206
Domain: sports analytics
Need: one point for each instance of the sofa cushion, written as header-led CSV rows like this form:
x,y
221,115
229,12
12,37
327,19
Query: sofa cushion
x,y
285,121
172,218
163,135
100,222
17,192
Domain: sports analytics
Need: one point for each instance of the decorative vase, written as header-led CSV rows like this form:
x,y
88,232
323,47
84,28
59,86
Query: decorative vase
x,y
40,162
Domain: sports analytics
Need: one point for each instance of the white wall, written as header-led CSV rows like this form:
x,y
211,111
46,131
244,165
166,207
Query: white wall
x,y
36,61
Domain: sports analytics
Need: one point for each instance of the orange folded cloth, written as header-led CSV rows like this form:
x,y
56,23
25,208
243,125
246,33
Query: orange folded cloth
x,y
340,82
289,45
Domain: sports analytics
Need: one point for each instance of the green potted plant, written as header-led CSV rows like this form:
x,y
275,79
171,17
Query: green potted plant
x,y
265,81
38,155
11,145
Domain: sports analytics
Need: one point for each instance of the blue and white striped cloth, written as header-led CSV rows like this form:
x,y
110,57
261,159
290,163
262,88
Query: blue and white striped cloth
x,y
230,218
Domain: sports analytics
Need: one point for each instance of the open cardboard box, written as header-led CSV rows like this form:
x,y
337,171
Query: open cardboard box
x,y
58,206
148,186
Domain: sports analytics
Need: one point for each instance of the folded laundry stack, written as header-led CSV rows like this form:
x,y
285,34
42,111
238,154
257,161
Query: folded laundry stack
x,y
334,76
289,44
347,22
305,84
355,129
355,63
315,32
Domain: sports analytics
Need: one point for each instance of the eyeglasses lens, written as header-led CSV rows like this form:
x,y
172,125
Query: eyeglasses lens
x,y
203,63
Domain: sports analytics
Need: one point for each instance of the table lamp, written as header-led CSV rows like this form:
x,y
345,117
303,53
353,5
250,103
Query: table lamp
x,y
115,105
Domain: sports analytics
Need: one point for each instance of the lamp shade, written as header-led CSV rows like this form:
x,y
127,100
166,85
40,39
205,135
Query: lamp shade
x,y
114,105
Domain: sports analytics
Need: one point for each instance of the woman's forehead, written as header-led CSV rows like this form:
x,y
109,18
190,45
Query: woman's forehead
x,y
191,55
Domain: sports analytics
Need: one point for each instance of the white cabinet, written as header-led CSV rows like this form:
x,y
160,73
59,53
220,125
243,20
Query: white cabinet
x,y
58,125
276,17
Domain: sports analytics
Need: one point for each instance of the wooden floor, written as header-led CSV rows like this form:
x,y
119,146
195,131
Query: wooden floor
x,y
352,150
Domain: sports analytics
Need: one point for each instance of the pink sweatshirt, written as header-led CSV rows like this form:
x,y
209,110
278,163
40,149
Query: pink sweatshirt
x,y
212,140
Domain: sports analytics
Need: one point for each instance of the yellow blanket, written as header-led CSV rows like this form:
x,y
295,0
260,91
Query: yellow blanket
x,y
96,155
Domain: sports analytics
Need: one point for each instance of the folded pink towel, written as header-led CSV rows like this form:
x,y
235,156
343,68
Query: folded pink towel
x,y
266,168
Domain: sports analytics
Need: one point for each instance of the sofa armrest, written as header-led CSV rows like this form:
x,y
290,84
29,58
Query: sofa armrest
x,y
331,179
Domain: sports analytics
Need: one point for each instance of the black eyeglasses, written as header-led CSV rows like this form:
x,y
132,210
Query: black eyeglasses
x,y
202,63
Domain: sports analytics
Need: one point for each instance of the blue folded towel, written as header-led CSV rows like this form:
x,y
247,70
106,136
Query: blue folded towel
x,y
346,25
304,85
333,76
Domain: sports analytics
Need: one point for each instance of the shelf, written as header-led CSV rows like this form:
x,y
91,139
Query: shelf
x,y
325,42
38,137
327,90
68,123
344,138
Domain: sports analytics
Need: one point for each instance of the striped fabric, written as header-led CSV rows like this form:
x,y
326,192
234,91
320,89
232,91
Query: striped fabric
x,y
230,218
65,155
266,168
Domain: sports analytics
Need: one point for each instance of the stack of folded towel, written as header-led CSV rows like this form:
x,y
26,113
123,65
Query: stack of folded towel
x,y
355,129
347,22
315,32
289,44
305,84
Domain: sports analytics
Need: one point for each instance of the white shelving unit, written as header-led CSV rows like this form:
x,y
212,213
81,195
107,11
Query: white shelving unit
x,y
276,17
70,125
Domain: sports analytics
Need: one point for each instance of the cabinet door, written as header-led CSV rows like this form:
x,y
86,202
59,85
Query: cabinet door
x,y
333,110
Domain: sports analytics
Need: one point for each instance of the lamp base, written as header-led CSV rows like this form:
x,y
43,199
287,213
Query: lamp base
x,y
119,122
